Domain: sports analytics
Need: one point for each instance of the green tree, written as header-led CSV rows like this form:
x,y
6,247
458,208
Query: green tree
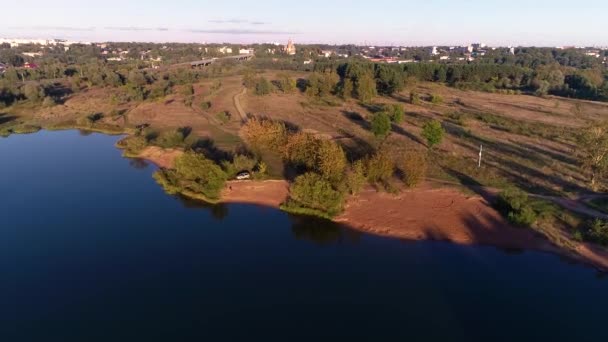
x,y
262,86
365,88
396,112
381,125
285,83
592,152
433,132
380,167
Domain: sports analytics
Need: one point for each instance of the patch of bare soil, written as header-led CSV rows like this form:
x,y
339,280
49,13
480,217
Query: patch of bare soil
x,y
161,157
436,214
269,193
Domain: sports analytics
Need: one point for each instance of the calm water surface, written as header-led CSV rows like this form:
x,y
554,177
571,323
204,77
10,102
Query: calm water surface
x,y
91,249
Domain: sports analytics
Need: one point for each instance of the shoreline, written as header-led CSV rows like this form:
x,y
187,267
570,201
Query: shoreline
x,y
421,214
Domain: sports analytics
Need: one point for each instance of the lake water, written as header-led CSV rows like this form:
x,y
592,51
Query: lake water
x,y
91,249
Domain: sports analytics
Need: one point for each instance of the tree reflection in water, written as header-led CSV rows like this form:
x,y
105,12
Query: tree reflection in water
x,y
321,231
218,211
138,163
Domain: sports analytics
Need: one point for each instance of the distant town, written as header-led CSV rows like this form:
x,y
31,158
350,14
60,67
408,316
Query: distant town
x,y
33,51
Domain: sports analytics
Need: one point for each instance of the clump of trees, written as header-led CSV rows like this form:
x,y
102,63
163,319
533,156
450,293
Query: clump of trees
x,y
262,86
515,205
311,194
322,84
193,175
285,83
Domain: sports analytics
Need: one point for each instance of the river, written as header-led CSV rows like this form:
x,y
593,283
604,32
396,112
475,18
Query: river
x,y
91,249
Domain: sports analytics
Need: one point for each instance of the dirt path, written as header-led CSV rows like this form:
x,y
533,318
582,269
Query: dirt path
x,y
237,104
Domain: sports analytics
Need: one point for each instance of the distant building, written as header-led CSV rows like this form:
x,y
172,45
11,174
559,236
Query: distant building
x,y
32,54
246,51
444,58
2,68
290,48
327,53
434,51
512,50
30,66
225,50
479,46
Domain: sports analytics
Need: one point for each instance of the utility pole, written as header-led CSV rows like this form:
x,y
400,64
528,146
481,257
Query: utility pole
x,y
480,153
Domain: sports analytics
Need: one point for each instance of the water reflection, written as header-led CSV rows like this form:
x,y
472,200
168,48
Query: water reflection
x,y
218,211
138,163
321,231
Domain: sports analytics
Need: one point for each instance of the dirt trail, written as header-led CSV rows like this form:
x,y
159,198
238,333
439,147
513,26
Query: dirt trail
x,y
237,104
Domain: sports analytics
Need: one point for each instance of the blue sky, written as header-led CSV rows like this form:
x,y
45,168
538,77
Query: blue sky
x,y
398,22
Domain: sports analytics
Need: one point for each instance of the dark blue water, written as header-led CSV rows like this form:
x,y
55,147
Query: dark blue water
x,y
91,249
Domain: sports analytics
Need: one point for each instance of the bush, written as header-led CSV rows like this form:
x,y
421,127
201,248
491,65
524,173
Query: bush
x,y
313,195
395,112
355,177
379,168
436,99
133,145
515,205
48,102
285,83
433,132
598,232
262,87
238,164
171,139
413,167
205,105
223,117
414,98
381,125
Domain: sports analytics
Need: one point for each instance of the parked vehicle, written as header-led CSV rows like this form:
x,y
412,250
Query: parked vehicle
x,y
243,175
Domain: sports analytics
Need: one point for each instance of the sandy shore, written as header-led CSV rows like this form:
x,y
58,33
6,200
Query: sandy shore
x,y
424,213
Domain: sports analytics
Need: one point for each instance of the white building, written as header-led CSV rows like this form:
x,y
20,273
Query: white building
x,y
246,51
225,50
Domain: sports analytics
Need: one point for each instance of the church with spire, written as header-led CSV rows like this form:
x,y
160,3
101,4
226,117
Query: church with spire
x,y
290,48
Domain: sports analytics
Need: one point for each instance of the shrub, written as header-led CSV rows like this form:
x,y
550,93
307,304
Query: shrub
x,y
133,145
188,90
436,99
381,125
433,132
312,194
262,87
414,98
355,177
413,167
48,102
380,167
598,232
324,156
239,163
205,105
223,117
515,205
285,83
171,139
395,112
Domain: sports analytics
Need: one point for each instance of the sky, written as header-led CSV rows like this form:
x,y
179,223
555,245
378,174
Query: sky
x,y
378,22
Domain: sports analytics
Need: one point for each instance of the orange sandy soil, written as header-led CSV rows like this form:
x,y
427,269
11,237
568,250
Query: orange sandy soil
x,y
425,213
436,214
269,193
